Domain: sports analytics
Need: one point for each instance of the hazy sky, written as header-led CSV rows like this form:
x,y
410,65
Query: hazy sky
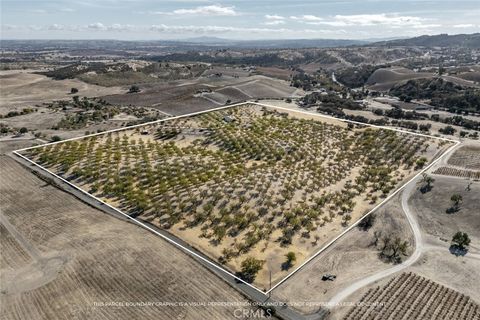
x,y
246,19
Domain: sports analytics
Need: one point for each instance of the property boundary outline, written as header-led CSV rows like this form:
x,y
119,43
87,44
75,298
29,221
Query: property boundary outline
x,y
191,252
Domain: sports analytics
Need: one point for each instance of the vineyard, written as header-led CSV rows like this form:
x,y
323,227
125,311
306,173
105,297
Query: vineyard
x,y
467,157
409,296
448,171
106,260
246,181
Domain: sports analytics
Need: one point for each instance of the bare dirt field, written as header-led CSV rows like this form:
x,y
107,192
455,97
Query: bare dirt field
x,y
409,296
177,98
289,186
351,258
436,263
385,79
74,256
274,72
21,88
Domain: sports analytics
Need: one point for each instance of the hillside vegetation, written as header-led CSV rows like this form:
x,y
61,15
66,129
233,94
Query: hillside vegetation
x,y
441,93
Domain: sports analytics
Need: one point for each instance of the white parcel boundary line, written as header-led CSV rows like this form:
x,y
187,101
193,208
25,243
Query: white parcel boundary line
x,y
232,106
363,217
137,125
354,122
141,223
16,152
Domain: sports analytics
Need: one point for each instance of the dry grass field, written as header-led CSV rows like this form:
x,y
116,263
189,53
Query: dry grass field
x,y
204,93
21,88
65,256
245,181
351,258
431,208
385,79
409,296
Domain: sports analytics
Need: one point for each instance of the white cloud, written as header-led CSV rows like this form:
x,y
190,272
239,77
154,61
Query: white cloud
x,y
55,27
364,20
97,26
379,19
40,11
213,10
466,25
274,22
274,17
210,29
67,10
307,18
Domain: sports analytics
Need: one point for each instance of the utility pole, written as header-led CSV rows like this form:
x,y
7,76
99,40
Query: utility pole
x,y
270,292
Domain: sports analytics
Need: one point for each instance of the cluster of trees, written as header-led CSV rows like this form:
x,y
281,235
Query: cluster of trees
x,y
392,248
95,110
24,111
331,100
355,77
242,179
398,113
442,94
71,71
311,81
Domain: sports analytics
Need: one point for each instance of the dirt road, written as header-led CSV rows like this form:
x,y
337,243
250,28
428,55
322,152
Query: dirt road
x,y
339,297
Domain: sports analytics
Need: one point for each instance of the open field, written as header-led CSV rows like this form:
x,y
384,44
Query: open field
x,y
436,263
74,256
409,296
21,88
351,258
274,72
178,98
297,181
385,79
431,208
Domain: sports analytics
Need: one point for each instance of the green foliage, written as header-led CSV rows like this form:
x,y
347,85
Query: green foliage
x,y
367,222
250,267
134,89
393,249
241,181
443,94
357,76
461,240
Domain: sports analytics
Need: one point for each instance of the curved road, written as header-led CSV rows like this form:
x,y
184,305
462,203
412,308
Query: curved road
x,y
406,192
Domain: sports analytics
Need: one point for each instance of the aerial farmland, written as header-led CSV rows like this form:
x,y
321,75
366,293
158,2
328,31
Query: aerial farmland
x,y
247,185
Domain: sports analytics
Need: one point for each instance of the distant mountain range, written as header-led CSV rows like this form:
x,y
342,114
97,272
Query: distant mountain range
x,y
442,40
205,43
274,44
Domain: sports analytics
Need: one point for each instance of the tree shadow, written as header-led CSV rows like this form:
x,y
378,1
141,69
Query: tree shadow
x,y
458,250
426,188
286,265
452,210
